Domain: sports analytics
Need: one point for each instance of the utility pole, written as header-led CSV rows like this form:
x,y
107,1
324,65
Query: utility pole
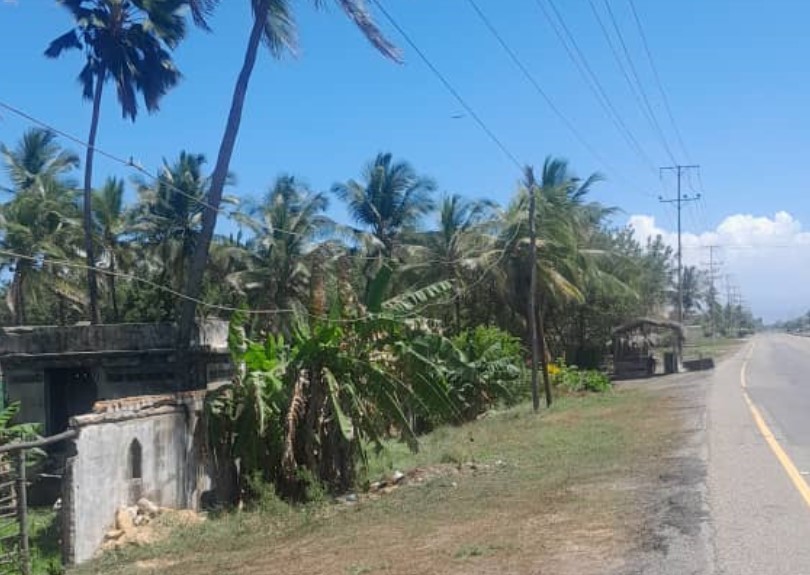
x,y
713,267
732,296
531,188
679,200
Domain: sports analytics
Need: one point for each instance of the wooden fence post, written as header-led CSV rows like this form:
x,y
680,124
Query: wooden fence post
x,y
22,513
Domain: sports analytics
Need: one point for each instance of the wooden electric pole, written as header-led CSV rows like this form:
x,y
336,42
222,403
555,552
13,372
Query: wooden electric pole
x,y
531,189
679,200
713,266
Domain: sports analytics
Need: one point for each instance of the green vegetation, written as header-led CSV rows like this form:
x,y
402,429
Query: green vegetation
x,y
43,533
508,487
356,338
574,380
799,325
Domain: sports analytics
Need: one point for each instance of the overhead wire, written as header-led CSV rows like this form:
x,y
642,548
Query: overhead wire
x,y
132,165
658,81
448,86
582,65
536,85
444,81
634,72
635,88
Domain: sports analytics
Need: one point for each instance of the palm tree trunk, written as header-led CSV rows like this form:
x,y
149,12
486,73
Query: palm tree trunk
x,y
541,329
18,296
218,178
61,309
113,294
87,208
458,312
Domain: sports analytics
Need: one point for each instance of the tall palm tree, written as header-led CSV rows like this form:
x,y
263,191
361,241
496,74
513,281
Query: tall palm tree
x,y
126,42
562,217
35,160
111,223
391,198
460,247
284,227
39,220
168,218
693,290
273,24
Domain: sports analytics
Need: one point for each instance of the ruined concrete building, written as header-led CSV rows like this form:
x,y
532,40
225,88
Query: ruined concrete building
x,y
59,372
138,417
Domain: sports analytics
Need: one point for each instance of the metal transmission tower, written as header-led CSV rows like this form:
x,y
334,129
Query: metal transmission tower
x,y
679,200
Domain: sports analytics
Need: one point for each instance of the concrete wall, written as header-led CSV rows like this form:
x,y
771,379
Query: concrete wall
x,y
211,335
125,361
98,479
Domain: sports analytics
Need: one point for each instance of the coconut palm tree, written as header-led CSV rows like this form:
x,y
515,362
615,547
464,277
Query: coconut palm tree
x,y
460,248
167,219
111,224
126,42
391,198
284,227
387,205
692,287
562,217
35,160
39,220
273,24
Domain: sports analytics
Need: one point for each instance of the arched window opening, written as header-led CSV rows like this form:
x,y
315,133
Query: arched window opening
x,y
135,460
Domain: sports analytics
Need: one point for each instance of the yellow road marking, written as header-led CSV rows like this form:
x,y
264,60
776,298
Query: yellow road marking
x,y
788,465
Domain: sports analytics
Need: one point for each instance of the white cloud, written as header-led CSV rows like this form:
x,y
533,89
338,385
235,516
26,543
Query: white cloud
x,y
767,257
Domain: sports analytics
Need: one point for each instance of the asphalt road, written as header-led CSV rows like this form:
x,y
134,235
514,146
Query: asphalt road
x,y
758,518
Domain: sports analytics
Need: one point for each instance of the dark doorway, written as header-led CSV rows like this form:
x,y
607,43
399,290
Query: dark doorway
x,y
71,391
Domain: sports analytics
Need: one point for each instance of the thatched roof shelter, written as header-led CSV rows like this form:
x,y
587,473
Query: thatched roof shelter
x,y
655,323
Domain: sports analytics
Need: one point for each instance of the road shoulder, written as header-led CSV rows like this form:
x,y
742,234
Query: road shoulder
x,y
759,521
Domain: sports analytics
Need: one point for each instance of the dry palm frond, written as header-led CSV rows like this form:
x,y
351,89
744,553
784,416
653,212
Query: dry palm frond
x,y
294,414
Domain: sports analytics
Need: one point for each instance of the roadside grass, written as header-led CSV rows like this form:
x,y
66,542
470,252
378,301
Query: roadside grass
x,y
552,491
43,533
715,348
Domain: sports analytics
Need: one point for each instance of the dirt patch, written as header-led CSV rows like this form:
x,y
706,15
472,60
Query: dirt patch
x,y
155,565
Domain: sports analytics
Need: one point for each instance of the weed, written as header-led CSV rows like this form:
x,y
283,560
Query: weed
x,y
474,550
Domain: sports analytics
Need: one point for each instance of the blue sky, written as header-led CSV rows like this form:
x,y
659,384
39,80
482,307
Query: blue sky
x,y
732,70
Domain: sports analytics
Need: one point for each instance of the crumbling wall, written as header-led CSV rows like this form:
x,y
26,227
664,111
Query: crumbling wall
x,y
152,446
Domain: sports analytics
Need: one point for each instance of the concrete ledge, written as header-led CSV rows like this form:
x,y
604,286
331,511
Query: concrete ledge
x,y
212,335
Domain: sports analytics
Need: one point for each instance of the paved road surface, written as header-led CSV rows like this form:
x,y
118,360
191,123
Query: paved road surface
x,y
760,523
725,504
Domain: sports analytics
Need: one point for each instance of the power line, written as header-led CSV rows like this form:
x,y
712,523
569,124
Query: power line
x,y
803,246
540,91
446,83
562,32
633,71
658,81
130,164
635,88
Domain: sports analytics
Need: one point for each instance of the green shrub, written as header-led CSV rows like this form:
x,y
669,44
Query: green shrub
x,y
488,370
574,380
